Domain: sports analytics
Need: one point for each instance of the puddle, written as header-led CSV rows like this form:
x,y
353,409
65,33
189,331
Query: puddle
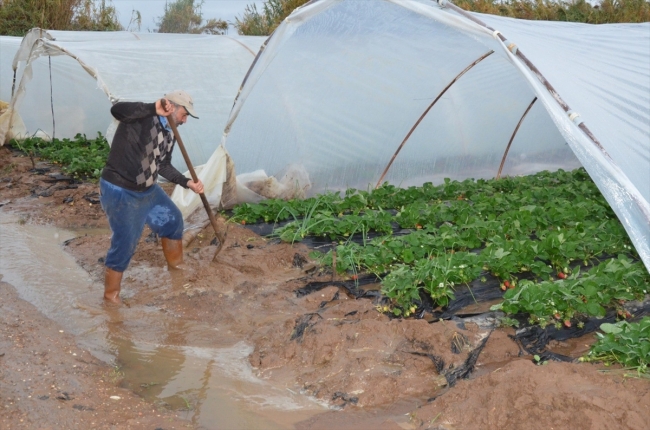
x,y
195,369
575,348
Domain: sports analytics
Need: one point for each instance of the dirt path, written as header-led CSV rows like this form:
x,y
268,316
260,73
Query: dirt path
x,y
381,373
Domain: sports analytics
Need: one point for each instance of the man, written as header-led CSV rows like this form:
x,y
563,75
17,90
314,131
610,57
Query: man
x,y
142,150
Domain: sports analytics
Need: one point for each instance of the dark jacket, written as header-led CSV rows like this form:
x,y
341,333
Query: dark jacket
x,y
141,149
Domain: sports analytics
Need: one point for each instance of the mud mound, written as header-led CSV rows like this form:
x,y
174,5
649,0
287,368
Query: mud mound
x,y
557,395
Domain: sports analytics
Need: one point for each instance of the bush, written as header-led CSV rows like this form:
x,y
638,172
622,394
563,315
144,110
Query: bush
x,y
256,23
607,11
184,16
17,17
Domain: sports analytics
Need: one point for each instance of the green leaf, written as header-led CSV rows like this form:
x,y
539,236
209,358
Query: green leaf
x,y
610,328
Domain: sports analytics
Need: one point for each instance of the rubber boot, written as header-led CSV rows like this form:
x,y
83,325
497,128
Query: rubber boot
x,y
112,285
173,251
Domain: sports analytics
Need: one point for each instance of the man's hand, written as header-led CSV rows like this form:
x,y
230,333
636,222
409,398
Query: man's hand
x,y
164,111
197,187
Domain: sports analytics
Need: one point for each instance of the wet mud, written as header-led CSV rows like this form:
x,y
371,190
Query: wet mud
x,y
358,367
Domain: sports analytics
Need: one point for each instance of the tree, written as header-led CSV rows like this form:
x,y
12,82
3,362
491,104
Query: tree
x,y
184,16
17,17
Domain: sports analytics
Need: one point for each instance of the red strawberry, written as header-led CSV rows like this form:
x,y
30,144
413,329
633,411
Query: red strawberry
x,y
567,323
561,275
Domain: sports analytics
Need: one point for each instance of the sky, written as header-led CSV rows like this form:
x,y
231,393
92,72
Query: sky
x,y
152,10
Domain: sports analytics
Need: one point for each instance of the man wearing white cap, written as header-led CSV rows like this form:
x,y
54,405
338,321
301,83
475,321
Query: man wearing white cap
x,y
141,150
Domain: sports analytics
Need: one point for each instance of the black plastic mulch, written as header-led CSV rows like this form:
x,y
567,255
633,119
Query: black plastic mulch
x,y
463,371
534,339
531,339
351,287
323,244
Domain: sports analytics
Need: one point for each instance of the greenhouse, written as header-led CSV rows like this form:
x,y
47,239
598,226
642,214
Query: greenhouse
x,y
64,82
407,92
348,94
410,211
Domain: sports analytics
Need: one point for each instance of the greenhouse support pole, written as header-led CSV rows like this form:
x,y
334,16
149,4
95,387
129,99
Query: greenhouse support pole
x,y
514,133
516,52
426,111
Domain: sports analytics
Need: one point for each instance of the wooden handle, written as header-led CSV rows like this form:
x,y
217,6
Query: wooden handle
x,y
188,162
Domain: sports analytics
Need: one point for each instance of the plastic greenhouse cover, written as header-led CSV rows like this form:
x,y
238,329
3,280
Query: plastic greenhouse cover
x,y
8,47
342,84
118,66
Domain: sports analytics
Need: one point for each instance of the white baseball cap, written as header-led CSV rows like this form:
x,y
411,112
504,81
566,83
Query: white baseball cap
x,y
181,98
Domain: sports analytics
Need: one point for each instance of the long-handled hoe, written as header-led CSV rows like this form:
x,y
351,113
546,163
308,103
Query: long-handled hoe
x,y
221,237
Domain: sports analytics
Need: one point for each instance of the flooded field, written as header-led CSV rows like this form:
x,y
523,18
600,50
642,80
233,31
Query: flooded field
x,y
231,345
183,365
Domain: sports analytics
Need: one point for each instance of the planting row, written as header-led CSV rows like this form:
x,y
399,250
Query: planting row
x,y
80,157
551,238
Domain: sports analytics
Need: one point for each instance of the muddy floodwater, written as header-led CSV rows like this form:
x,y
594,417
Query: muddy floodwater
x,y
185,365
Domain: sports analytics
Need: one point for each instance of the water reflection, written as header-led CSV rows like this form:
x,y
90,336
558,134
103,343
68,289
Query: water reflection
x,y
146,369
215,387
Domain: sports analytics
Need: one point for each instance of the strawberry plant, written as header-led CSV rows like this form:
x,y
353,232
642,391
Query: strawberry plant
x,y
604,286
624,343
80,157
542,227
402,287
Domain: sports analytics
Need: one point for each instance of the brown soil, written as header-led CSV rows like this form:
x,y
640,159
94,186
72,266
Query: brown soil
x,y
382,373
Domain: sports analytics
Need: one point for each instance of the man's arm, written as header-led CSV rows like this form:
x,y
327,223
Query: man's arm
x,y
169,172
132,111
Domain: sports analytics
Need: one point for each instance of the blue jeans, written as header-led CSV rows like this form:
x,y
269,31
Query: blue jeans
x,y
128,211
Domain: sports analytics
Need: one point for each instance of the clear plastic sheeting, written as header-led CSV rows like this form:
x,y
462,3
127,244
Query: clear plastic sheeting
x,y
339,90
362,92
9,46
225,189
68,81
